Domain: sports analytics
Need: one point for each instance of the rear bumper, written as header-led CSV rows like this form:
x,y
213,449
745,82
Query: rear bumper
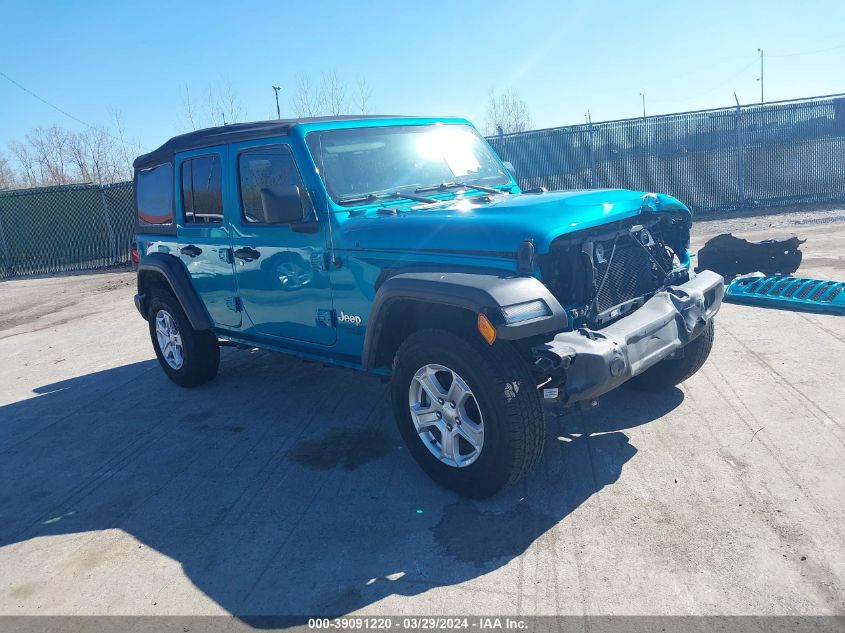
x,y
588,363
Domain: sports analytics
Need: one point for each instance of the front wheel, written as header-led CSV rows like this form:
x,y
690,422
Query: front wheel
x,y
468,412
673,371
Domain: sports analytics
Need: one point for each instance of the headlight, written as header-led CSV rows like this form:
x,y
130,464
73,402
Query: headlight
x,y
525,311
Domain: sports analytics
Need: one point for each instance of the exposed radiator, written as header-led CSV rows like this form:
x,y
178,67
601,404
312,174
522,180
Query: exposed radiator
x,y
628,275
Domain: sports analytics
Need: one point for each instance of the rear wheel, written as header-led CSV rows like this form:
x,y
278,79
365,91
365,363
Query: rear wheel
x,y
469,412
673,371
189,357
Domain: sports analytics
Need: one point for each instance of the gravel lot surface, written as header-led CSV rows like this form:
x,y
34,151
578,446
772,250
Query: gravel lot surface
x,y
282,487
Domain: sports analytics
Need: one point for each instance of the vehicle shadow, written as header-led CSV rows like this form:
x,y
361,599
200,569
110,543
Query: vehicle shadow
x,y
282,487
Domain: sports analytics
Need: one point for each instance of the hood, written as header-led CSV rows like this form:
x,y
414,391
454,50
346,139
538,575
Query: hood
x,y
500,225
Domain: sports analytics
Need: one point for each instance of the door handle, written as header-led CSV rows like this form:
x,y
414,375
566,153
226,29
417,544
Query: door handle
x,y
247,254
190,250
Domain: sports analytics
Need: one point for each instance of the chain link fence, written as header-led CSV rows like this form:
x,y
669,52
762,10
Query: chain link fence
x,y
66,228
714,160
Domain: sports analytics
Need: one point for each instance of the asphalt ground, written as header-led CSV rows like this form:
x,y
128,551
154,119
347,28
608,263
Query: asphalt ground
x,y
282,487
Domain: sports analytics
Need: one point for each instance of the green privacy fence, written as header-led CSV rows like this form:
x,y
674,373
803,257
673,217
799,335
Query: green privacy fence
x,y
73,227
714,160
771,154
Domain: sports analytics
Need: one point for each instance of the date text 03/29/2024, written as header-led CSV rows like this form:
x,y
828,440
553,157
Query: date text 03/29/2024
x,y
478,623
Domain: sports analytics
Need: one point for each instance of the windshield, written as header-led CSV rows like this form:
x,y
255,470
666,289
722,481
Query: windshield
x,y
355,163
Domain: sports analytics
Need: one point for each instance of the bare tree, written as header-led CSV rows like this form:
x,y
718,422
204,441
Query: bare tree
x,y
126,149
51,148
26,162
306,100
224,103
331,97
57,156
102,158
222,106
507,112
334,91
189,108
79,157
7,174
363,96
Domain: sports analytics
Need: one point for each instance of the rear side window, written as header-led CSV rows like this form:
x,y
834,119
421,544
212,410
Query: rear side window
x,y
154,195
202,196
264,169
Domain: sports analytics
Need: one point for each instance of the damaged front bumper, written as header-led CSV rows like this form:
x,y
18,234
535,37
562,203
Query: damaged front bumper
x,y
584,364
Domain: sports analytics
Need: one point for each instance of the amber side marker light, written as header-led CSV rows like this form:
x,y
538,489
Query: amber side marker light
x,y
486,329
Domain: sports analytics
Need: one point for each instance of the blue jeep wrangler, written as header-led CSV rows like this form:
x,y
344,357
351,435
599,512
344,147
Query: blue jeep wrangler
x,y
404,247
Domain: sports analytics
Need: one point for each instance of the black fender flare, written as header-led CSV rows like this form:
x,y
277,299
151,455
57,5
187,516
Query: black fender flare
x,y
176,276
485,293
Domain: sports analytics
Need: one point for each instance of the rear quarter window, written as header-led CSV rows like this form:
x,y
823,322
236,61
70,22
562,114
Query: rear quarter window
x,y
154,196
202,190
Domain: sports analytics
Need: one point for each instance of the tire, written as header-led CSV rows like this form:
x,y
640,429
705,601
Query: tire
x,y
200,352
503,398
673,371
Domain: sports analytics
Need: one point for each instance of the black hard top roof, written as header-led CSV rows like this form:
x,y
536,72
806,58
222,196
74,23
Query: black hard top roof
x,y
236,132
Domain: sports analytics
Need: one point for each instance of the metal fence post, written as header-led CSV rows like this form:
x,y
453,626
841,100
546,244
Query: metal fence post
x,y
109,227
592,156
8,265
740,157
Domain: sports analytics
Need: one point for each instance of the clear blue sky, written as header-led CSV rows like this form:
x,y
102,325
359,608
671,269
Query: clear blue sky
x,y
419,57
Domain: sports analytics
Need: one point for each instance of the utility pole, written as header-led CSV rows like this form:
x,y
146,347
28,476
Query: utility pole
x,y
223,114
643,98
278,112
760,78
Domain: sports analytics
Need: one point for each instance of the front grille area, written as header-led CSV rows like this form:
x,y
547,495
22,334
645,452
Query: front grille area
x,y
603,274
629,275
591,278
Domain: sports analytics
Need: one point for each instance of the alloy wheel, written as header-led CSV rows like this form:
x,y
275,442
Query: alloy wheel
x,y
446,415
169,339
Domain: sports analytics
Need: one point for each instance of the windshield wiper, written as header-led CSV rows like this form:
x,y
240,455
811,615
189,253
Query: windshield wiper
x,y
372,197
443,186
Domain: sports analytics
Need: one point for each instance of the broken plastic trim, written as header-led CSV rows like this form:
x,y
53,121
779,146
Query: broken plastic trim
x,y
789,293
730,256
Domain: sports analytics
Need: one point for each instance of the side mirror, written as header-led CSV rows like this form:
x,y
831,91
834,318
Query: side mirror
x,y
282,205
509,166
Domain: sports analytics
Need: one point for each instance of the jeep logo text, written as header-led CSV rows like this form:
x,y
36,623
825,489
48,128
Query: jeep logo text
x,y
348,318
